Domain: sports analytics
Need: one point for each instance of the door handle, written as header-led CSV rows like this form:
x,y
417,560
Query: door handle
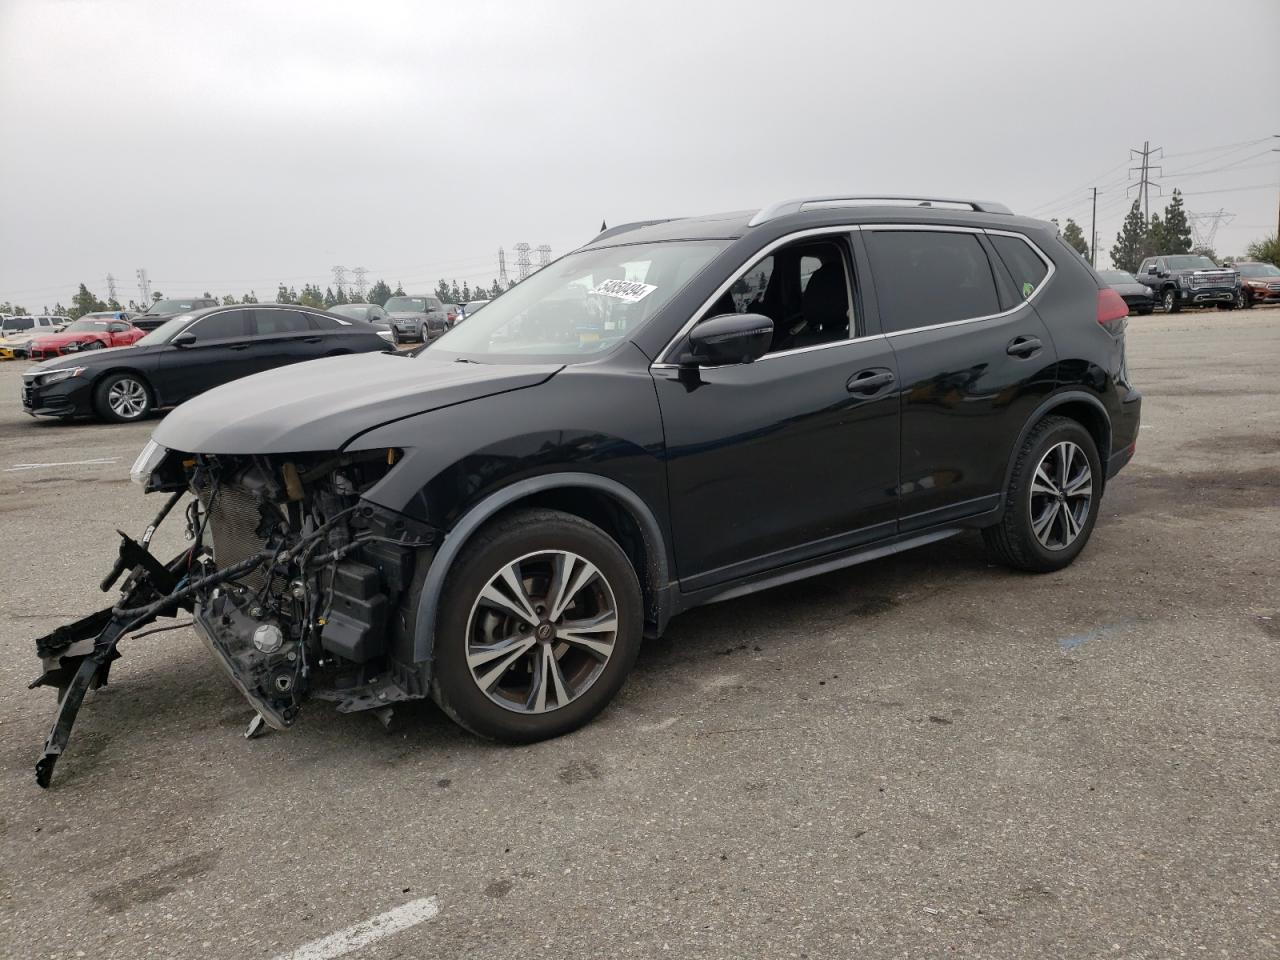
x,y
1023,347
869,381
312,339
239,346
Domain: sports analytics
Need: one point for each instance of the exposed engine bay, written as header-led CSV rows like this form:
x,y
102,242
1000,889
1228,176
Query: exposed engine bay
x,y
298,586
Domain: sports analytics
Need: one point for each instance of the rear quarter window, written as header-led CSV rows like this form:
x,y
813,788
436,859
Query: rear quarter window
x,y
1023,263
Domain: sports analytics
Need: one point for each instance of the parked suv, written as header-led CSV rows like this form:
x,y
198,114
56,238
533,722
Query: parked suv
x,y
162,310
416,318
714,406
1189,280
17,333
1259,283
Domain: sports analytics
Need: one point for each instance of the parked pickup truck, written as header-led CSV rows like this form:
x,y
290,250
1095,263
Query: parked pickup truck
x,y
1189,280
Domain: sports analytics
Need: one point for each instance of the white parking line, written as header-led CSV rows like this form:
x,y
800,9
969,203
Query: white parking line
x,y
366,931
64,463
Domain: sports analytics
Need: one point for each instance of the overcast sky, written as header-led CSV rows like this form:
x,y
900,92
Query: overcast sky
x,y
229,146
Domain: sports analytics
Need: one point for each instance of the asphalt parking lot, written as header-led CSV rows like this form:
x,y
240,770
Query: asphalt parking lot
x,y
924,756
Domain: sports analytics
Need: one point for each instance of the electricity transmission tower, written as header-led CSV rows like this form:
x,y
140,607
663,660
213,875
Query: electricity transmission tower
x,y
111,289
523,265
1144,184
1204,226
361,283
544,255
144,286
339,277
502,269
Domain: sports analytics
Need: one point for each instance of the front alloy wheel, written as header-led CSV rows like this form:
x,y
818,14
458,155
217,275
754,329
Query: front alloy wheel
x,y
1061,496
1170,301
122,398
541,632
1243,300
539,625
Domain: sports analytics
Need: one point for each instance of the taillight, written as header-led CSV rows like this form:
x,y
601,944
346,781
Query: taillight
x,y
1111,310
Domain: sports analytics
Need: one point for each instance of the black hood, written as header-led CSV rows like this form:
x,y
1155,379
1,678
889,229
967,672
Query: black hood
x,y
324,404
106,357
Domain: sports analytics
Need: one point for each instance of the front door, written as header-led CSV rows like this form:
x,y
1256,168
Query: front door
x,y
974,359
217,356
794,456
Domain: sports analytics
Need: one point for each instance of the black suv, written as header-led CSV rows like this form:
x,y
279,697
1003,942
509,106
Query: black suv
x,y
679,412
1189,280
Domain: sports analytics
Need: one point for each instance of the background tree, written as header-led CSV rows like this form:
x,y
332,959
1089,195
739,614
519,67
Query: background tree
x,y
13,308
311,296
379,293
495,289
354,296
1157,241
340,297
208,295
229,300
466,293
1074,236
1267,250
1127,252
114,305
1204,251
1177,229
250,297
399,290
85,302
442,291
156,296
282,294
454,293
329,298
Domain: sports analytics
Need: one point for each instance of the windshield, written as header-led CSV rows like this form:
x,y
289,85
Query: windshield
x,y
173,306
1116,276
19,323
1253,270
86,326
583,303
356,310
408,305
1190,263
167,330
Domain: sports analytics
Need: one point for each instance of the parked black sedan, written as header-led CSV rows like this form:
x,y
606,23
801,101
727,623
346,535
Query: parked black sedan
x,y
1137,297
187,355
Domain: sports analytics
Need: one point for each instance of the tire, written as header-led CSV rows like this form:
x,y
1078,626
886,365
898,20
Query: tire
x,y
1018,540
585,677
1243,300
1169,299
395,337
93,345
123,398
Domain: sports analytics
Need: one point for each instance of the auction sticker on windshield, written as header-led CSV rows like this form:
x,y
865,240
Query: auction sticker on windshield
x,y
629,291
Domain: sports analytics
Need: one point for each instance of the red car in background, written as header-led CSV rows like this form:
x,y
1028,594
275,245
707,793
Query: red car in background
x,y
93,331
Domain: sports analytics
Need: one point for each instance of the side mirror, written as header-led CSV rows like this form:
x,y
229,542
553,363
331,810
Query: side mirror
x,y
183,340
730,338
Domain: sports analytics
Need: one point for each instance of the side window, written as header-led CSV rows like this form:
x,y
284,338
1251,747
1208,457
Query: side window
x,y
929,277
805,288
272,322
118,327
228,325
1022,262
322,323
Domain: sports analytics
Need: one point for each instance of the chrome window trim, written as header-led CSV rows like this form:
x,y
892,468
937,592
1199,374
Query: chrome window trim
x,y
662,363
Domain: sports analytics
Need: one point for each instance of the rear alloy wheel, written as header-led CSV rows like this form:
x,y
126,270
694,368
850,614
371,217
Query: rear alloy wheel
x,y
1170,301
122,398
1052,500
540,626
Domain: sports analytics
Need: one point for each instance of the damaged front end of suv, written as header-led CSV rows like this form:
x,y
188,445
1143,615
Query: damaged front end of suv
x,y
296,583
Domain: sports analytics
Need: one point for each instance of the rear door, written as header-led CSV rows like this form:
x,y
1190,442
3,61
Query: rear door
x,y
279,336
219,355
974,360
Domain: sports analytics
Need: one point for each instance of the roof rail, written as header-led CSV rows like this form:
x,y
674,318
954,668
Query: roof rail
x,y
784,207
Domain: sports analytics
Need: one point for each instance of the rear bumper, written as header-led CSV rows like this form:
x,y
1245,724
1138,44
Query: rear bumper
x,y
1124,433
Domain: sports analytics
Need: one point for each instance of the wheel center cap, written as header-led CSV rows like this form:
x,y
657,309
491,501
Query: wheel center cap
x,y
544,631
